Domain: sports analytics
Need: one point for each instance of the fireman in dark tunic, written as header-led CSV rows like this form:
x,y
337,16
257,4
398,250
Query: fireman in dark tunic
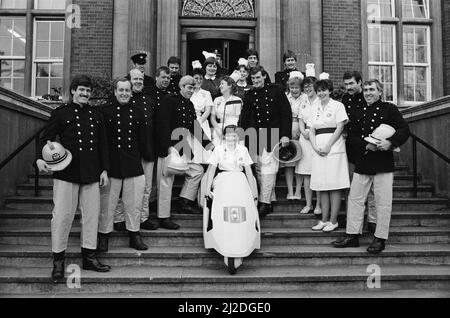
x,y
374,166
81,129
266,109
161,88
252,57
143,101
127,140
355,103
176,112
174,65
139,61
290,64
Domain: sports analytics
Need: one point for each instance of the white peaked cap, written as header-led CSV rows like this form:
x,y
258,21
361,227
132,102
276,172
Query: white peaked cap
x,y
196,64
296,74
310,70
243,61
324,76
207,55
236,76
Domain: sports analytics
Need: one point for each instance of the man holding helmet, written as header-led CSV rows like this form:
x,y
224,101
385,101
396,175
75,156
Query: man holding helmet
x,y
81,130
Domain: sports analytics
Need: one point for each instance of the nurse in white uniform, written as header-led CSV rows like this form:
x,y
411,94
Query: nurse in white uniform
x,y
227,109
201,99
329,161
304,166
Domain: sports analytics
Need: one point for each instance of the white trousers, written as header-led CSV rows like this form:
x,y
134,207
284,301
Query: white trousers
x,y
132,193
371,210
266,170
383,193
68,198
193,177
119,215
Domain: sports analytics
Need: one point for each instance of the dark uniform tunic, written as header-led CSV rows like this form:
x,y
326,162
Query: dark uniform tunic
x,y
282,78
175,112
174,86
145,103
354,105
157,95
212,86
369,162
127,139
82,131
267,107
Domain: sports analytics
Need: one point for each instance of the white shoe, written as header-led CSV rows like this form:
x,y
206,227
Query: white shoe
x,y
331,227
306,210
317,211
320,226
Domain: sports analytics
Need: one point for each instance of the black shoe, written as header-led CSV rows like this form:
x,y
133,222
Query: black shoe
x,y
377,246
265,209
91,263
136,241
371,227
120,227
102,243
168,224
188,207
149,225
348,241
58,267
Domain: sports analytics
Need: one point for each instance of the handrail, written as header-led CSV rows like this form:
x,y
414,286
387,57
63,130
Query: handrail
x,y
416,140
35,137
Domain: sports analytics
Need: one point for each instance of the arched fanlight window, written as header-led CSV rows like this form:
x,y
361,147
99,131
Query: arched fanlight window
x,y
219,8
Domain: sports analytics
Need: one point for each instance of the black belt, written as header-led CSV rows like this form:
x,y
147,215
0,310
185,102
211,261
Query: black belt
x,y
325,131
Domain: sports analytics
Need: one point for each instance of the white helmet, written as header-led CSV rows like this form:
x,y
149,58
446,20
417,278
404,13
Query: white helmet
x,y
56,156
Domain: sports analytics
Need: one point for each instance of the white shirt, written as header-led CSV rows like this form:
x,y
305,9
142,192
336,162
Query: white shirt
x,y
329,116
233,111
295,104
201,100
307,108
230,160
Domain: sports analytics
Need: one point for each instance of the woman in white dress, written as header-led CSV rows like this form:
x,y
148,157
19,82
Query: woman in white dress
x,y
304,166
227,109
295,98
329,161
202,101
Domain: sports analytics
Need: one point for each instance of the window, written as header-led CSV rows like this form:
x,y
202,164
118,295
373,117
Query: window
x,y
13,4
12,53
48,58
398,42
382,62
39,72
50,4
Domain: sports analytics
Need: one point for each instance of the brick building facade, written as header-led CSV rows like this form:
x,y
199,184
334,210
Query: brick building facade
x,y
330,33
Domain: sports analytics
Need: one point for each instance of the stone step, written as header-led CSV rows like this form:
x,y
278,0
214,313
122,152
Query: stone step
x,y
154,280
282,205
424,191
276,220
289,255
32,235
401,178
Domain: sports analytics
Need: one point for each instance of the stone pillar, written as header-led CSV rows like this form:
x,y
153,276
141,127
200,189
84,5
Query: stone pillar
x,y
302,31
168,38
269,35
120,38
142,31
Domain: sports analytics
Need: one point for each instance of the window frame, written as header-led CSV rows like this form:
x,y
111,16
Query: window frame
x,y
435,75
31,14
